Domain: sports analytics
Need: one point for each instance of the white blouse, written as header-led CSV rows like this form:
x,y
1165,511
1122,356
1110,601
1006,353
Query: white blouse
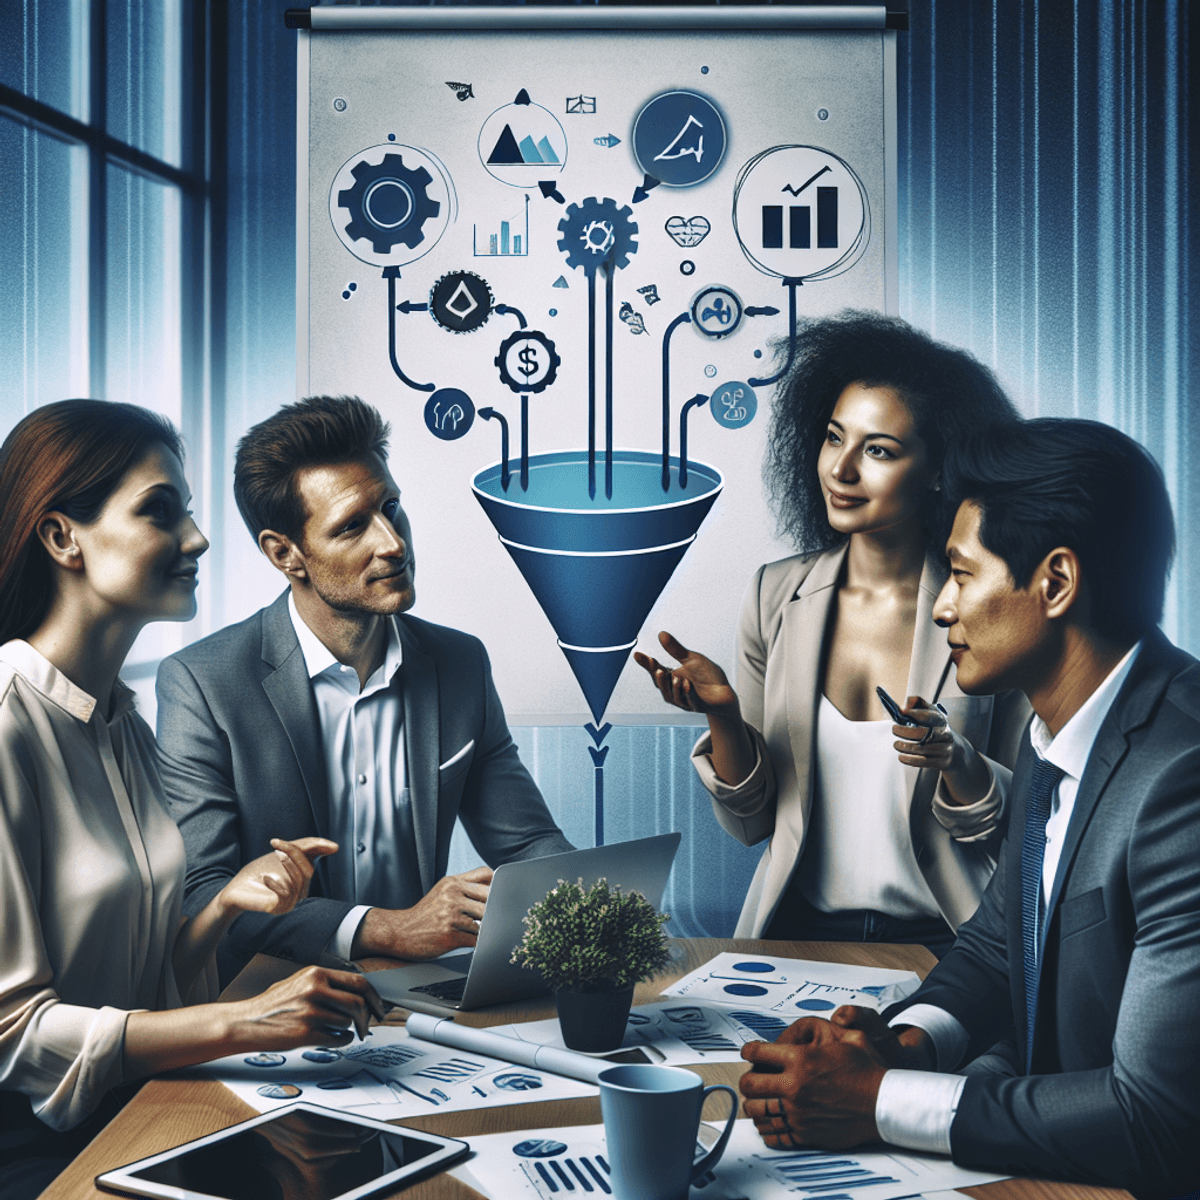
x,y
859,850
91,884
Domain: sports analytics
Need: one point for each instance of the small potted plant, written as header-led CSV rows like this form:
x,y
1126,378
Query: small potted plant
x,y
591,947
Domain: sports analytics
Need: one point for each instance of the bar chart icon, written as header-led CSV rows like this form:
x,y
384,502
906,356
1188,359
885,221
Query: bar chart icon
x,y
505,237
800,212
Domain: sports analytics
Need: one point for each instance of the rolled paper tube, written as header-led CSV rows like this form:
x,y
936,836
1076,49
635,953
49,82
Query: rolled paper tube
x,y
446,1032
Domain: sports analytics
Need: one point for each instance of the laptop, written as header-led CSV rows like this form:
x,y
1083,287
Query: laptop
x,y
485,975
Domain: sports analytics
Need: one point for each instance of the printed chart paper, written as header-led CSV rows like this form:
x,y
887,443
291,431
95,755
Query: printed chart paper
x,y
793,987
387,1076
555,1163
674,1033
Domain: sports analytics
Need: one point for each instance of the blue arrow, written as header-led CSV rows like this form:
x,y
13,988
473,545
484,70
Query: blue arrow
x,y
411,306
598,735
764,310
502,309
598,756
648,184
391,274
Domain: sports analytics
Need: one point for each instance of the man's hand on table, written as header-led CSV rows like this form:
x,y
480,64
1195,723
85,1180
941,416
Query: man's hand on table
x,y
817,1084
446,918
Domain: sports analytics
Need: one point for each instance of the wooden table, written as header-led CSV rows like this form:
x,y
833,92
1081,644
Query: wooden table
x,y
170,1111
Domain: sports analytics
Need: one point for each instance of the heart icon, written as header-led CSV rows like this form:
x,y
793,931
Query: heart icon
x,y
688,231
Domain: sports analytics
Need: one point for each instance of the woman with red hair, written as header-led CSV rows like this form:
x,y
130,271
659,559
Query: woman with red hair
x,y
96,961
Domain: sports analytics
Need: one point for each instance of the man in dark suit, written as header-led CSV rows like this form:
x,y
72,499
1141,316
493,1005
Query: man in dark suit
x,y
330,713
1080,973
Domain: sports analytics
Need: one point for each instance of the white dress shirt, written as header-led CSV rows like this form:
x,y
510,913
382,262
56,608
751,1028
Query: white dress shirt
x,y
915,1109
370,812
91,887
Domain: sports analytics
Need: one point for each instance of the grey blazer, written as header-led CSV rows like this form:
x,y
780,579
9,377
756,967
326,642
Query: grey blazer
x,y
241,758
780,642
1114,1094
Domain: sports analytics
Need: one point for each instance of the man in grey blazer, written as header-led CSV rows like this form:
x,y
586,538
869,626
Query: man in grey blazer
x,y
328,712
1071,995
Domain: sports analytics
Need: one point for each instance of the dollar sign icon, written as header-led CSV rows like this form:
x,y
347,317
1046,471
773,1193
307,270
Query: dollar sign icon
x,y
529,360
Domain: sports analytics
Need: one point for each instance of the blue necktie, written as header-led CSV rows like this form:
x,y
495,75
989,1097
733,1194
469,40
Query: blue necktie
x,y
1033,850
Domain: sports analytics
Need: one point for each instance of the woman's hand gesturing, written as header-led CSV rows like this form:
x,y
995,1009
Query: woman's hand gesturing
x,y
276,882
697,685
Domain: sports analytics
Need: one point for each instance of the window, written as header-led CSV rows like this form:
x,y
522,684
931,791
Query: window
x,y
103,228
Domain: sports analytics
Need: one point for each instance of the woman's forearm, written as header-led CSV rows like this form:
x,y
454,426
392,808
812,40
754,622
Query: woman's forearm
x,y
314,1005
733,750
180,1037
197,940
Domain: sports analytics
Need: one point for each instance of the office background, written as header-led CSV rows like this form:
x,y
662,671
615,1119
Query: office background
x,y
147,251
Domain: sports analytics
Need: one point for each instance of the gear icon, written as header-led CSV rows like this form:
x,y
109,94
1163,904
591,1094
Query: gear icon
x,y
388,203
596,232
527,361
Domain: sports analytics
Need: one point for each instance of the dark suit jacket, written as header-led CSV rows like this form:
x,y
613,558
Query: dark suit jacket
x,y
242,761
1114,1093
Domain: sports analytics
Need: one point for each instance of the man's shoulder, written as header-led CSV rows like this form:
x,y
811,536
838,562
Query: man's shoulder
x,y
439,641
235,642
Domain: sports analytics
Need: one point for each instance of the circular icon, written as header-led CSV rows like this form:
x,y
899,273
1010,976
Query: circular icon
x,y
596,232
687,267
815,1005
321,1055
716,311
390,204
460,301
449,414
679,138
800,212
745,989
733,405
280,1091
527,361
710,371
754,968
539,1148
521,142
517,1081
265,1059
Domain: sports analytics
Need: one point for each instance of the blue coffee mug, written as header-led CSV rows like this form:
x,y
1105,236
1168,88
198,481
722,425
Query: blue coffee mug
x,y
651,1118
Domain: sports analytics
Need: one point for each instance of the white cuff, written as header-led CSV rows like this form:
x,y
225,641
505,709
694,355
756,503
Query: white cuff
x,y
915,1109
946,1032
969,822
343,939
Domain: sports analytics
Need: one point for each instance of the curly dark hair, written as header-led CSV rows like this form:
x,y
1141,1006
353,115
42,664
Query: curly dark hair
x,y
948,391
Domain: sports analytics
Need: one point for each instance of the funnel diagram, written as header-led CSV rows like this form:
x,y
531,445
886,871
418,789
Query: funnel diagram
x,y
596,565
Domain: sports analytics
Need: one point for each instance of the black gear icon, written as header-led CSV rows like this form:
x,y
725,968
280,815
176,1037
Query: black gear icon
x,y
596,232
532,382
388,203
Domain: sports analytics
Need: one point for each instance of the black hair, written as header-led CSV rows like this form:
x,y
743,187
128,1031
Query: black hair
x,y
314,432
1081,484
947,390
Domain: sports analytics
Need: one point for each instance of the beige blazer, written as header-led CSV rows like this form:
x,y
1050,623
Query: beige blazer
x,y
777,676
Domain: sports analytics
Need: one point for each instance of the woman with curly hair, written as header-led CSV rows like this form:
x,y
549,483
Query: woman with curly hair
x,y
878,831
96,960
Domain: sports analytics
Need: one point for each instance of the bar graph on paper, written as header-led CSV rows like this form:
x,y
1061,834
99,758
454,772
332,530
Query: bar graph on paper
x,y
506,236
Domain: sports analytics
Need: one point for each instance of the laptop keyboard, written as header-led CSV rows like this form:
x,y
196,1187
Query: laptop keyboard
x,y
445,989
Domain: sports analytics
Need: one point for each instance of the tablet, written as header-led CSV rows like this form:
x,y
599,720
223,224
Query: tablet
x,y
300,1152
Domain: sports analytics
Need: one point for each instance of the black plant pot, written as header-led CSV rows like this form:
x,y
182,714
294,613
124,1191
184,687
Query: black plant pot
x,y
594,1021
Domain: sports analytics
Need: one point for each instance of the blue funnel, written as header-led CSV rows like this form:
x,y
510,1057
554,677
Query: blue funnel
x,y
597,565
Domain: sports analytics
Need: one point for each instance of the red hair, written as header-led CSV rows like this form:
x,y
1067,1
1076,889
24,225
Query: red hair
x,y
66,457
